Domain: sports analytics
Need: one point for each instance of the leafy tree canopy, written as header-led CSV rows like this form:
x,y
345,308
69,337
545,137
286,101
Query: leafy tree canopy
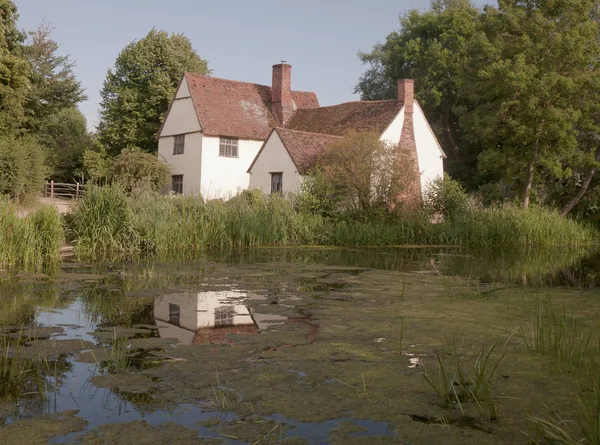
x,y
14,70
54,86
138,90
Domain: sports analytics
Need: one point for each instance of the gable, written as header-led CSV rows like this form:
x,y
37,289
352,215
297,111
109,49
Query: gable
x,y
272,156
181,117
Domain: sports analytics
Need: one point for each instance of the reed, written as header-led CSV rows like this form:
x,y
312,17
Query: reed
x,y
29,243
552,332
109,224
456,382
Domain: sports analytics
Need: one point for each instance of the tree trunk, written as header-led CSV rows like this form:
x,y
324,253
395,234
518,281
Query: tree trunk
x,y
586,183
530,176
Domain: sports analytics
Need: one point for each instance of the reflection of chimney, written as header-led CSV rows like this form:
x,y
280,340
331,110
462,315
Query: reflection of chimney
x,y
282,105
406,93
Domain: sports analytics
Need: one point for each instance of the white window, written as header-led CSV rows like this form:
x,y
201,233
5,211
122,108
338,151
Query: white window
x,y
224,315
228,147
276,182
179,144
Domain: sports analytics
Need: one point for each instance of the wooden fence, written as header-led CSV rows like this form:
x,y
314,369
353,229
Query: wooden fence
x,y
63,190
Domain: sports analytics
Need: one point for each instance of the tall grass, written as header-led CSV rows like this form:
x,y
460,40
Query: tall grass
x,y
554,333
30,243
108,223
511,227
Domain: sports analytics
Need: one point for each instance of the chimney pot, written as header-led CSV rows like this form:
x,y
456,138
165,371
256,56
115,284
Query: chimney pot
x,y
406,93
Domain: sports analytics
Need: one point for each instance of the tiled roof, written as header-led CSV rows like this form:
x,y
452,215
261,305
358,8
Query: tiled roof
x,y
303,147
237,109
339,119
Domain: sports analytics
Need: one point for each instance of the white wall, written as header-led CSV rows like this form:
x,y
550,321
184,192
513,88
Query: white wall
x,y
429,155
275,158
188,164
393,132
188,309
182,119
223,177
182,116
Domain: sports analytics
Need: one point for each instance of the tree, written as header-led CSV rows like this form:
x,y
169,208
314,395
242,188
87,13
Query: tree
x,y
528,66
65,138
54,86
22,168
137,92
370,174
430,47
14,70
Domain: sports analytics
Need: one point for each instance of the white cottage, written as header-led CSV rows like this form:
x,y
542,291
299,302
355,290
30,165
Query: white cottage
x,y
289,152
221,136
215,127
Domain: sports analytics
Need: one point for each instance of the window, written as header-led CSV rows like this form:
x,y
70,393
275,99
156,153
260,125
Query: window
x,y
224,315
177,181
228,147
174,314
179,144
276,182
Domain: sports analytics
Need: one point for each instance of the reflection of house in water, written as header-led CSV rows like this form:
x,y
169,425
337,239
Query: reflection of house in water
x,y
197,317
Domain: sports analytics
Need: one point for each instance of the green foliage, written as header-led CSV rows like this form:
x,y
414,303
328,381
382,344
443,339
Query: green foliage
x,y
65,138
29,243
22,168
527,64
109,223
96,164
14,70
445,197
134,169
54,87
317,196
102,223
137,92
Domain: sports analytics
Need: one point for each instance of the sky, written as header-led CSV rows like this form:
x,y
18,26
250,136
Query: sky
x,y
240,39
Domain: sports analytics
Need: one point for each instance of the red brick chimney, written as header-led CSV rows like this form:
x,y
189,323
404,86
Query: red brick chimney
x,y
282,105
411,196
406,93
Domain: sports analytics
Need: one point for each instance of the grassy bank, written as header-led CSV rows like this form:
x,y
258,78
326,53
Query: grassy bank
x,y
29,243
108,224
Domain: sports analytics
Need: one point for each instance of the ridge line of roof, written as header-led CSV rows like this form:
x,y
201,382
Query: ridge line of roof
x,y
239,81
357,102
306,132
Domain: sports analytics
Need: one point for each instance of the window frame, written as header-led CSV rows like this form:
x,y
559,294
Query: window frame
x,y
174,314
179,145
273,176
180,184
227,145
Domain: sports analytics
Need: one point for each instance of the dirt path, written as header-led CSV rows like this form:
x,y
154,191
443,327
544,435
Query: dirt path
x,y
62,205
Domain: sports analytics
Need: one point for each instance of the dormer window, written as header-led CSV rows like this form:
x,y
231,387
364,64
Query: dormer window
x,y
179,144
228,147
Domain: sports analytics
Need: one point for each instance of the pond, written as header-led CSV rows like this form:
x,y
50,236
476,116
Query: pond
x,y
303,346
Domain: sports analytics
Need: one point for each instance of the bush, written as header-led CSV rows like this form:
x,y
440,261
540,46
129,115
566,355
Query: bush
x,y
317,196
446,198
134,169
22,169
